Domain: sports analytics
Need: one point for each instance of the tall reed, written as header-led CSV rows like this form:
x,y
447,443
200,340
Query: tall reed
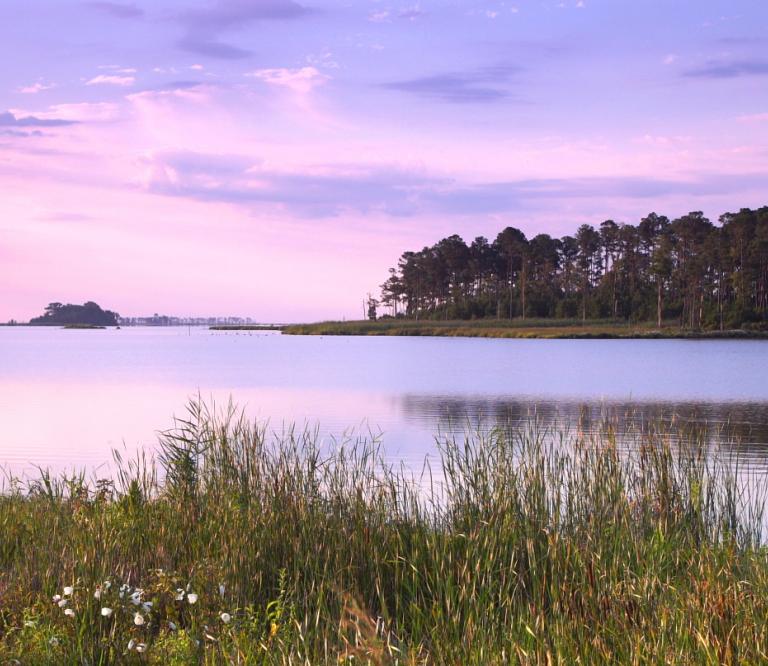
x,y
240,546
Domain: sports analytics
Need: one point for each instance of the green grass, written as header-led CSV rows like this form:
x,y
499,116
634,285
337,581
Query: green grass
x,y
517,328
523,548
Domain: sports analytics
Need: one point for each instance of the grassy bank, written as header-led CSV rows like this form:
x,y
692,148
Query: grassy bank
x,y
256,549
534,328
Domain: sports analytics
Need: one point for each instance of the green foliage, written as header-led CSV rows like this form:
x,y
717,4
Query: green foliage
x,y
524,547
701,275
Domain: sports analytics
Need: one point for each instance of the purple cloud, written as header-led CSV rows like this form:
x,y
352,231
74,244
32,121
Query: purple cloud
x,y
482,85
117,9
203,26
400,192
232,13
230,179
19,133
184,84
205,46
729,70
7,119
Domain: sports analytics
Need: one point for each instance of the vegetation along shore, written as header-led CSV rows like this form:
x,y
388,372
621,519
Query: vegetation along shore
x,y
531,328
701,274
238,547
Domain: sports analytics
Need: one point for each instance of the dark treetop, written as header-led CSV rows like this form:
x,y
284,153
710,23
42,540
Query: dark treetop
x,y
703,275
88,313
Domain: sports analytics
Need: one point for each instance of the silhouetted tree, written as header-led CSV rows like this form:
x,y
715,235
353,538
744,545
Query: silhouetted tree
x,y
703,275
87,314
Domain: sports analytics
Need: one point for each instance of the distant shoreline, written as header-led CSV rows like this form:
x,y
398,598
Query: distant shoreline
x,y
247,327
516,329
87,327
535,329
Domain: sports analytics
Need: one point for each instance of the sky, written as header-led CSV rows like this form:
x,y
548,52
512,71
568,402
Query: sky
x,y
273,158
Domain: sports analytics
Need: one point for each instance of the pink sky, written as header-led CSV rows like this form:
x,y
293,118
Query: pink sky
x,y
273,159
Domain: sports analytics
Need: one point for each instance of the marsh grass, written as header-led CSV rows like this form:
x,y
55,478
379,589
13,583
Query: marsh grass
x,y
514,548
516,328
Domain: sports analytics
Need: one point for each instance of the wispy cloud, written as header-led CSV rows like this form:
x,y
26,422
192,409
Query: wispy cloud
x,y
72,113
411,13
35,88
170,97
112,80
488,84
327,191
324,191
300,81
719,69
8,119
204,45
117,9
518,195
181,84
203,27
119,68
19,134
379,16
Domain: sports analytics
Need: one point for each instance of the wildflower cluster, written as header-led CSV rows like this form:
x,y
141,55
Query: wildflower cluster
x,y
142,615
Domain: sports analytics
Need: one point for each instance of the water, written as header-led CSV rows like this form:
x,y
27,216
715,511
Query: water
x,y
68,397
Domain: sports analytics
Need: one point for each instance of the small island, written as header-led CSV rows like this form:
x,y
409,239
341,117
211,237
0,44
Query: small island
x,y
87,315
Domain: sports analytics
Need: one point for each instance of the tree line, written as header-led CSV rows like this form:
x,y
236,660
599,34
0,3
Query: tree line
x,y
89,313
688,270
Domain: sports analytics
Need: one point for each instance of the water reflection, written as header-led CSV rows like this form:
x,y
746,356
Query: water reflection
x,y
741,427
68,397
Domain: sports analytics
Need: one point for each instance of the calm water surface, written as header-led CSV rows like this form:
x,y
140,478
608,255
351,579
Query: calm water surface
x,y
68,397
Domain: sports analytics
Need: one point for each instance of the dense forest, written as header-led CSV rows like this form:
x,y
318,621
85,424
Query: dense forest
x,y
90,313
688,270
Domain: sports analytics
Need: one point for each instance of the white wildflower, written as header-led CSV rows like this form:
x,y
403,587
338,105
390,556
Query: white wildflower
x,y
131,644
222,590
226,618
97,593
106,612
107,584
147,606
69,612
172,626
179,594
62,602
192,598
56,598
138,619
141,647
68,591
